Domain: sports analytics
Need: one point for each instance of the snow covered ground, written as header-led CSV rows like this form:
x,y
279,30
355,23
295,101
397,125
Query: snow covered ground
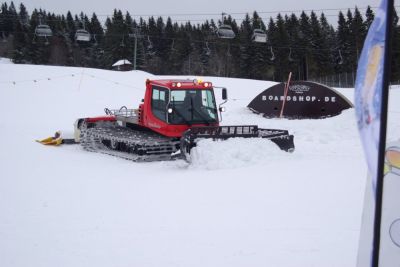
x,y
240,203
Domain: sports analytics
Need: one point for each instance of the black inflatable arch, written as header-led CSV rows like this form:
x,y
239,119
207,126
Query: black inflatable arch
x,y
304,100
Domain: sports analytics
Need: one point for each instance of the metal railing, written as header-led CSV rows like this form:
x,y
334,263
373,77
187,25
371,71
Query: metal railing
x,y
123,112
341,80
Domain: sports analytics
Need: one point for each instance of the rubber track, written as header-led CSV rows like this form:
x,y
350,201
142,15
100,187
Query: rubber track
x,y
128,144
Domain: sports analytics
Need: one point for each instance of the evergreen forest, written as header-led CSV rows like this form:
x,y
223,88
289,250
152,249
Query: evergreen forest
x,y
306,45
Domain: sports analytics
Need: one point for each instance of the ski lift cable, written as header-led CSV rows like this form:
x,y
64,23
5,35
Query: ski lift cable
x,y
104,35
219,14
304,48
235,19
231,13
258,12
155,37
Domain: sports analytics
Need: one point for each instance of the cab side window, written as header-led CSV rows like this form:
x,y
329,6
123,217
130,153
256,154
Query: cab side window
x,y
159,101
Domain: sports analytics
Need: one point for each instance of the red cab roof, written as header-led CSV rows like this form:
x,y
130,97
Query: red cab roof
x,y
181,83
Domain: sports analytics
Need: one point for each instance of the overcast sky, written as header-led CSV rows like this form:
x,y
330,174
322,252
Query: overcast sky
x,y
183,10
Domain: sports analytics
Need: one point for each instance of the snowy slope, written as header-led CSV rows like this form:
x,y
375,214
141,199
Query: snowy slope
x,y
241,203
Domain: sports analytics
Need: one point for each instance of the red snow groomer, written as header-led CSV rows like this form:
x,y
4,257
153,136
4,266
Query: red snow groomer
x,y
173,115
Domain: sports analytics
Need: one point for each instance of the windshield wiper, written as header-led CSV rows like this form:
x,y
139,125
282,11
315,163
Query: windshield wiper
x,y
202,116
198,113
180,115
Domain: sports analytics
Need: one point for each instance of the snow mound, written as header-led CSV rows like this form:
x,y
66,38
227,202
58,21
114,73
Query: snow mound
x,y
233,153
4,60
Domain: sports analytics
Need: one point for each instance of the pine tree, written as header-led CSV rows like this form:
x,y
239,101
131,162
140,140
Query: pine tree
x,y
284,51
352,52
358,32
294,44
116,38
10,19
395,56
271,33
40,46
3,22
174,54
163,45
205,31
186,49
322,62
304,43
71,28
295,57
343,45
331,52
369,14
258,64
246,51
21,38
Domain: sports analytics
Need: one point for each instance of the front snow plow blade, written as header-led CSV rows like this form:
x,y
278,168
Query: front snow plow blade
x,y
56,140
51,141
281,138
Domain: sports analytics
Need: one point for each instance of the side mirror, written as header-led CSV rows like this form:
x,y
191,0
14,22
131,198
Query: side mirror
x,y
224,94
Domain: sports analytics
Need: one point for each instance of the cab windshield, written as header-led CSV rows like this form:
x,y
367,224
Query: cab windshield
x,y
192,106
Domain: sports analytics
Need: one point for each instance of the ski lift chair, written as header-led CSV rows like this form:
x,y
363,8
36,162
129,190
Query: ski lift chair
x,y
259,36
207,49
122,44
82,35
173,45
290,58
225,32
150,47
95,40
43,30
150,44
272,54
340,61
3,36
228,50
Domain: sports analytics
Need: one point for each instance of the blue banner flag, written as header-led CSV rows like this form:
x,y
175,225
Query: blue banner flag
x,y
371,97
368,89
